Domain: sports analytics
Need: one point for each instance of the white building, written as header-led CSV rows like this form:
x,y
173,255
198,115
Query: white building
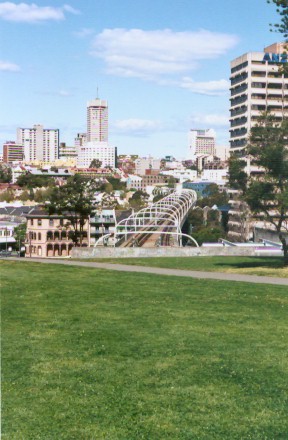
x,y
215,175
256,86
182,175
97,121
97,150
39,143
201,142
80,140
146,163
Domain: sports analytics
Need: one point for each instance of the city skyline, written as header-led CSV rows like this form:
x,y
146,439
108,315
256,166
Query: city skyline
x,y
164,69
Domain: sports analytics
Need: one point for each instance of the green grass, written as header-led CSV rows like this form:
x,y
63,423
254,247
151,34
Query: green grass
x,y
94,354
262,266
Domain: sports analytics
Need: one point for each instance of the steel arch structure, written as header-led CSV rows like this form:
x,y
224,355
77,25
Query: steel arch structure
x,y
165,217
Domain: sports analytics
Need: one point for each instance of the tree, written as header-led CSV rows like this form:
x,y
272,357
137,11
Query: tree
x,y
267,192
96,163
7,196
138,200
5,174
75,202
282,27
212,196
20,234
31,181
282,9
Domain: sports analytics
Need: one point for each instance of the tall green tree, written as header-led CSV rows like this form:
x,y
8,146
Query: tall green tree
x,y
267,192
75,202
282,9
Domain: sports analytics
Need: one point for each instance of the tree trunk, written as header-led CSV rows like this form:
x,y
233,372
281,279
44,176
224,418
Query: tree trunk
x,y
285,248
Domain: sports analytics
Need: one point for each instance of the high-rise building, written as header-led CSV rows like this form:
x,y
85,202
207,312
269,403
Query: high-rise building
x,y
201,142
257,85
12,152
80,140
39,143
97,121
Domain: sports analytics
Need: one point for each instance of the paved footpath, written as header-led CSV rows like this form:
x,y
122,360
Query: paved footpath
x,y
162,271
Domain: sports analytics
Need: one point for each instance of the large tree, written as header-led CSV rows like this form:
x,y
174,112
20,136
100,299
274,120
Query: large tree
x,y
267,192
75,202
282,9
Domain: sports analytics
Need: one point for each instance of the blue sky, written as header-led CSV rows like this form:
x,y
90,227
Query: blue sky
x,y
163,66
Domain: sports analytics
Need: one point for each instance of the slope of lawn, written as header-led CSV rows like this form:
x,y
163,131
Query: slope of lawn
x,y
94,354
267,266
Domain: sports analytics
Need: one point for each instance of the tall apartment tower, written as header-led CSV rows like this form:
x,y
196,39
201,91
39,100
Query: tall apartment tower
x,y
256,86
201,142
39,143
97,121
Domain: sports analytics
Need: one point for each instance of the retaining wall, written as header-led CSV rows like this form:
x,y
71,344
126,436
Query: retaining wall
x,y
111,252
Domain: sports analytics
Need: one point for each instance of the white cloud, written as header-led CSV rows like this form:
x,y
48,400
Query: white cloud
x,y
210,120
85,32
6,66
219,87
64,93
152,54
31,13
136,127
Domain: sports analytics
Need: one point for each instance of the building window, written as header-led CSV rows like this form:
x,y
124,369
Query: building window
x,y
39,235
32,221
51,222
39,222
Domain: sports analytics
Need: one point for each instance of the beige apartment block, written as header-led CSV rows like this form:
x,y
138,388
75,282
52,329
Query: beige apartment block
x,y
50,235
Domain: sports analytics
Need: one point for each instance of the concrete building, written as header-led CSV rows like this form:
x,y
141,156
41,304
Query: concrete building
x,y
12,152
80,140
256,85
97,150
67,151
39,143
97,120
201,142
146,163
50,235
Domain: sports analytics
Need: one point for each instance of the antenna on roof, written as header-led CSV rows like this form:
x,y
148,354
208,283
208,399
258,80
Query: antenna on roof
x,y
97,93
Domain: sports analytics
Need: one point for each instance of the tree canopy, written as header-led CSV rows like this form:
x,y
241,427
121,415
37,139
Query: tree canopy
x,y
282,9
267,191
75,201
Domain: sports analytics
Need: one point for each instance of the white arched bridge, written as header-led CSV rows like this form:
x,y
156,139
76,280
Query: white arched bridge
x,y
159,224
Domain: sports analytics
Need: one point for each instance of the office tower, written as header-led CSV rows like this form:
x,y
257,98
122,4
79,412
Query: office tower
x,y
257,85
201,142
12,152
39,143
97,121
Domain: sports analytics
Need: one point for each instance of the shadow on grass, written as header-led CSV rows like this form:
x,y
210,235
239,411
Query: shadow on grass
x,y
271,263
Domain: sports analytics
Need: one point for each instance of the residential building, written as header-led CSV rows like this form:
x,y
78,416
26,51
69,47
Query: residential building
x,y
39,143
97,150
256,85
97,121
12,152
102,223
201,142
67,151
146,163
50,235
80,140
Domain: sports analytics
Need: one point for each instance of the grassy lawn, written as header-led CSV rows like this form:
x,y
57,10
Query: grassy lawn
x,y
95,354
272,267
